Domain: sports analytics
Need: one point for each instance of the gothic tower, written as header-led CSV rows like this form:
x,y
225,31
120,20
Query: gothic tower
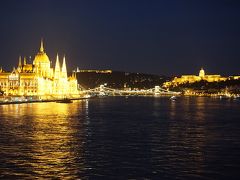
x,y
64,69
57,72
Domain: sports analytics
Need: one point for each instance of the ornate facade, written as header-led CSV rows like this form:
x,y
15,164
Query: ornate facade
x,y
194,78
38,78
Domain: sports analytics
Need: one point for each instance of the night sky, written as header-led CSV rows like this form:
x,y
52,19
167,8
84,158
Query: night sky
x,y
168,37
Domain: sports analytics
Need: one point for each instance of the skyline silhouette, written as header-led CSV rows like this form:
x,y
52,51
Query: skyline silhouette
x,y
156,37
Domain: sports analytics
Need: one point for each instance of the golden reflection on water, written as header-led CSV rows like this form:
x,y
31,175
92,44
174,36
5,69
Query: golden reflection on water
x,y
49,140
172,109
187,132
201,105
52,136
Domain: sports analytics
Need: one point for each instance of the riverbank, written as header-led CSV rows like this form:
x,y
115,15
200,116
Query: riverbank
x,y
22,100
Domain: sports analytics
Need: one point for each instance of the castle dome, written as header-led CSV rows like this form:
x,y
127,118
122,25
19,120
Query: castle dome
x,y
202,73
41,56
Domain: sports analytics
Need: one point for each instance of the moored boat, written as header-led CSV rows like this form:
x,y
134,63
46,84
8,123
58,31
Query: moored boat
x,y
65,100
173,98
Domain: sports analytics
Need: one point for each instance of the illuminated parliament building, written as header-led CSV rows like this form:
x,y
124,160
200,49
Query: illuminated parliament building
x,y
38,78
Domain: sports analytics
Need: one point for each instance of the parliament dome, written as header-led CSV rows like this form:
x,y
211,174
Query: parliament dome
x,y
41,56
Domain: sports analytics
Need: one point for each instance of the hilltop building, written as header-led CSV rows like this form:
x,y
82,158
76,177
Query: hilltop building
x,y
194,78
106,71
38,78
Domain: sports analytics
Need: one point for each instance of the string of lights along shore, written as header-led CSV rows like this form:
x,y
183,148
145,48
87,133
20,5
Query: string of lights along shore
x,y
39,78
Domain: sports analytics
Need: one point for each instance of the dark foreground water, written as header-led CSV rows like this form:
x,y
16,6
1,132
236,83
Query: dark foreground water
x,y
121,138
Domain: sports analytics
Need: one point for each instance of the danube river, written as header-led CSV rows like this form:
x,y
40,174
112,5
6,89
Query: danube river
x,y
121,138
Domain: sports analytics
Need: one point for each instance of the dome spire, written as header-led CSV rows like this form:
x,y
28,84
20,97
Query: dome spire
x,y
41,47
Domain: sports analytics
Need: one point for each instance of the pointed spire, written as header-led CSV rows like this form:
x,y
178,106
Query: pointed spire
x,y
64,68
74,75
57,65
24,61
19,68
57,69
41,46
20,62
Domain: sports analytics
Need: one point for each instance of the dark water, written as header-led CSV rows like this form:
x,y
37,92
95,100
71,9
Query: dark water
x,y
121,138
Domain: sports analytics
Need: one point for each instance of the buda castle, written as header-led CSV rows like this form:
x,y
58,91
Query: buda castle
x,y
38,78
194,78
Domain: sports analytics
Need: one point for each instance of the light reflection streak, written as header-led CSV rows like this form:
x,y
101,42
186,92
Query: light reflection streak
x,y
172,109
185,135
48,135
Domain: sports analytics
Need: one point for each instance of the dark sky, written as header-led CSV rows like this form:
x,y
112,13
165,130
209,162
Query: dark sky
x,y
167,37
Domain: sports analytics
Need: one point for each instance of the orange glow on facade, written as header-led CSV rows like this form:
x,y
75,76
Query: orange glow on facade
x,y
39,78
